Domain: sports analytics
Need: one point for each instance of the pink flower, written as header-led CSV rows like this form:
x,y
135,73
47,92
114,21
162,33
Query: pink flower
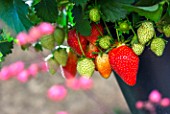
x,y
62,112
46,28
23,76
73,83
149,106
33,69
43,67
34,34
85,83
139,105
16,68
22,38
155,96
165,102
57,93
5,74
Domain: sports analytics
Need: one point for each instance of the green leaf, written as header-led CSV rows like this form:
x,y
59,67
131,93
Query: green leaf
x,y
125,1
14,14
168,10
147,2
33,17
82,25
153,13
69,14
6,48
113,10
35,2
47,10
61,19
79,2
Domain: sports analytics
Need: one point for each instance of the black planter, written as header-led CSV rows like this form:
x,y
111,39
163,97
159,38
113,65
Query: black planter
x,y
154,73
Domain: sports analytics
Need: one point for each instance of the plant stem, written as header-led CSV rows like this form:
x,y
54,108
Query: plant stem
x,y
117,33
107,29
133,30
78,38
98,30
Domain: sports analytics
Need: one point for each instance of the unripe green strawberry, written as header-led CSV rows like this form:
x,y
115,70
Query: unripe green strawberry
x,y
124,26
105,42
59,36
85,67
52,65
94,15
138,48
61,56
158,46
48,42
166,30
145,32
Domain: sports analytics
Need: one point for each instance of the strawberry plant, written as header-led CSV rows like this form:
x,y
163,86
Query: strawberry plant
x,y
87,27
83,36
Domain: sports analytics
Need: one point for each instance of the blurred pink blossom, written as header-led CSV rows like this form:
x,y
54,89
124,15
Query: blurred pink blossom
x,y
34,34
23,76
57,93
46,28
22,38
73,83
155,96
5,74
165,102
16,68
33,69
85,83
139,104
62,112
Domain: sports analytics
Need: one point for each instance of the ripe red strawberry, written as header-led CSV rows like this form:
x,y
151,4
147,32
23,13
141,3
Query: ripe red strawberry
x,y
91,51
73,41
125,63
70,69
95,33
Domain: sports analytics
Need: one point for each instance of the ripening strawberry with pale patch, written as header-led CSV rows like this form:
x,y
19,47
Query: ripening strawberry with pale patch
x,y
69,70
72,41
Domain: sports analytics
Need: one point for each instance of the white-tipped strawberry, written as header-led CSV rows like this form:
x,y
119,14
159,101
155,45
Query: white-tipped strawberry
x,y
138,48
145,32
85,67
166,30
158,46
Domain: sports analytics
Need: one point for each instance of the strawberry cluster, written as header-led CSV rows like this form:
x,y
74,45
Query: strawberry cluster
x,y
99,51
